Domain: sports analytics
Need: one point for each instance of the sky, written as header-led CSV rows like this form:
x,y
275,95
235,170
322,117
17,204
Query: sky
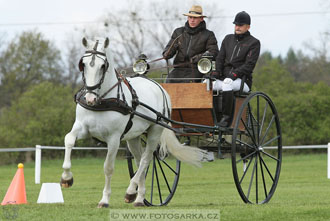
x,y
278,24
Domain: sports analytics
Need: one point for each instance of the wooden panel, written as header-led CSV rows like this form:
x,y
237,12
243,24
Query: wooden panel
x,y
194,116
189,95
238,104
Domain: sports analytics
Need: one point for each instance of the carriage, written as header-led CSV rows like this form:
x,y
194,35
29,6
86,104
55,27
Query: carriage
x,y
252,140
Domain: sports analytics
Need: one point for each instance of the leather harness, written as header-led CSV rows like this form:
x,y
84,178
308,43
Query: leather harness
x,y
116,104
112,104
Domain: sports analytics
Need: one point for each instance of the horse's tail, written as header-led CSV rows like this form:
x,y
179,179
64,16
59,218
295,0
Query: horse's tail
x,y
188,154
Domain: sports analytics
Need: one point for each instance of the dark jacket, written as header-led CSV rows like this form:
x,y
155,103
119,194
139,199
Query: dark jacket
x,y
186,43
238,54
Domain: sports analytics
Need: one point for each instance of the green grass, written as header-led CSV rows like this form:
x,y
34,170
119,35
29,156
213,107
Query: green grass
x,y
303,192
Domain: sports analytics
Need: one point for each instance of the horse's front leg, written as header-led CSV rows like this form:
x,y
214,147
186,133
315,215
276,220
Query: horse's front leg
x,y
69,141
109,165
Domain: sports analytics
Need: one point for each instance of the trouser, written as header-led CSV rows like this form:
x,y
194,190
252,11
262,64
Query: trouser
x,y
228,86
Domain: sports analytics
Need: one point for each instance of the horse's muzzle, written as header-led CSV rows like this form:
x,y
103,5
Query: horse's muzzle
x,y
91,99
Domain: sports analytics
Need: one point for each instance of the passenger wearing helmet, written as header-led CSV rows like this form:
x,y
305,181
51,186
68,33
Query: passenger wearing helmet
x,y
238,56
187,44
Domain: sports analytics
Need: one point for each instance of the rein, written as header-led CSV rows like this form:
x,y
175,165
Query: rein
x,y
115,85
124,72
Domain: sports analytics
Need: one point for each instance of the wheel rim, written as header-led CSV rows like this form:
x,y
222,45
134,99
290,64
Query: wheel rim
x,y
162,177
257,150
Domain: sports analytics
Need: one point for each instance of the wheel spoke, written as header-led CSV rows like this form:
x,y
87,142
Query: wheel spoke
x,y
164,176
252,119
263,176
266,133
247,156
269,141
269,155
247,168
252,176
258,126
269,173
263,119
157,179
170,167
257,178
246,144
146,170
152,180
247,129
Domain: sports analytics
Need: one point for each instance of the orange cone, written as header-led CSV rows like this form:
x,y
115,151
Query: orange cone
x,y
16,193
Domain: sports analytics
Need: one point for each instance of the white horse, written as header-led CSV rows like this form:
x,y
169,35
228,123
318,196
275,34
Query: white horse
x,y
102,82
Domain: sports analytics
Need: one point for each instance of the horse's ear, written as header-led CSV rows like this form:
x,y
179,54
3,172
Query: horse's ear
x,y
84,42
106,43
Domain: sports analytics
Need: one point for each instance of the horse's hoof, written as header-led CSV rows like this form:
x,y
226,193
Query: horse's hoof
x,y
139,204
129,198
103,205
66,183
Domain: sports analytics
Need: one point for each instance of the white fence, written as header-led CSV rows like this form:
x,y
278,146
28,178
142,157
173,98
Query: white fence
x,y
38,150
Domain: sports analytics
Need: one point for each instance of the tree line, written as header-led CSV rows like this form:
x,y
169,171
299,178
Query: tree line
x,y
37,88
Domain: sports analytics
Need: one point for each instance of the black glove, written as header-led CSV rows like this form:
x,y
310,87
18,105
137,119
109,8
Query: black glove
x,y
207,53
166,55
169,53
215,75
232,75
195,58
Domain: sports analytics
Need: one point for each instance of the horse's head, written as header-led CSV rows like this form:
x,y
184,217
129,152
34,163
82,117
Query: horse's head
x,y
93,65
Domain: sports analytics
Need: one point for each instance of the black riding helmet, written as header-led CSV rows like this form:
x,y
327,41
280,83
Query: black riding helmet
x,y
242,18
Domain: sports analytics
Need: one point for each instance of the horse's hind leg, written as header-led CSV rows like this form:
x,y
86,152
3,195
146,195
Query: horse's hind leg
x,y
139,178
134,146
70,139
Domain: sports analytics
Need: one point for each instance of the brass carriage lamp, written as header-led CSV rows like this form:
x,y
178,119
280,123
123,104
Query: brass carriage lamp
x,y
205,66
141,66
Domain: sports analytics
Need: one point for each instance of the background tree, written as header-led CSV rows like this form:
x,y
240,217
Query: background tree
x,y
312,65
28,60
41,115
302,107
72,55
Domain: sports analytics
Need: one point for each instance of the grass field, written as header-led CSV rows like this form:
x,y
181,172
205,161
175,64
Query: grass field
x,y
303,192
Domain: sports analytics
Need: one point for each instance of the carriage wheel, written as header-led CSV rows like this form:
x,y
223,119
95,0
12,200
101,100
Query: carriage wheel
x,y
162,178
256,149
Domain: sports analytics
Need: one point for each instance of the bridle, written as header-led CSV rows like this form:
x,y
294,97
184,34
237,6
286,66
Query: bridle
x,y
94,53
90,89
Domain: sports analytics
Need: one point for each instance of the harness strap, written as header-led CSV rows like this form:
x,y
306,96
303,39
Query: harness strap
x,y
115,85
135,103
109,104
